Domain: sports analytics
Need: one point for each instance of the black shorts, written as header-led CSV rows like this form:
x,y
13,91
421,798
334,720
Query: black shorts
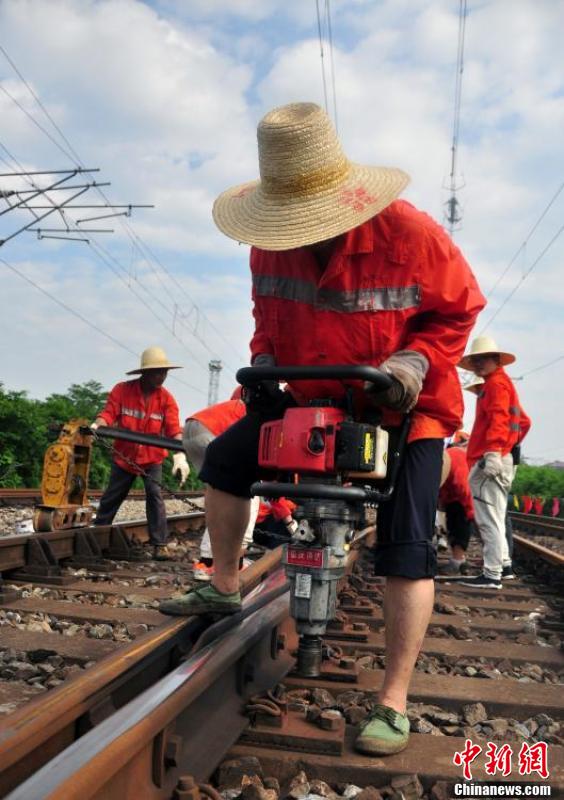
x,y
405,523
459,528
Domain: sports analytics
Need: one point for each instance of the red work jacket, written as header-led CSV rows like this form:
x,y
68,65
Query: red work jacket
x,y
456,488
219,417
500,422
396,282
126,407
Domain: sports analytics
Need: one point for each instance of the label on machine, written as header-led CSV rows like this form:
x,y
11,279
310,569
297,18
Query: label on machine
x,y
305,558
302,586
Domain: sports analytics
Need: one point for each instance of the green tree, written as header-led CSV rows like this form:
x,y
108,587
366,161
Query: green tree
x,y
542,482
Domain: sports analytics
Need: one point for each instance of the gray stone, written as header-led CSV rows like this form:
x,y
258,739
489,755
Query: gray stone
x,y
474,713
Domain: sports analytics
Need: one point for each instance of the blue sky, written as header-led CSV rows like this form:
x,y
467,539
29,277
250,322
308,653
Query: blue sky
x,y
165,96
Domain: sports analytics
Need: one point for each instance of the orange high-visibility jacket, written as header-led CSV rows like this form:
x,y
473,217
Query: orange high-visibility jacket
x,y
456,488
219,417
126,408
500,421
396,282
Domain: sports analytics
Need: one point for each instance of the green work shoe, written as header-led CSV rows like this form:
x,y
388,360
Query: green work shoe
x,y
204,600
385,731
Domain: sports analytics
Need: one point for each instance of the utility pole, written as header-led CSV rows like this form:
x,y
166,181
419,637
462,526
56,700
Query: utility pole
x,y
215,368
453,211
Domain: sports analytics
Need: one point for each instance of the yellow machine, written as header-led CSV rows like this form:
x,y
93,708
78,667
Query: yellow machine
x,y
65,481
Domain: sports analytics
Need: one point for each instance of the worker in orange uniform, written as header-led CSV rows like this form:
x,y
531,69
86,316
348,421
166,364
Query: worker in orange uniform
x,y
200,429
499,426
145,406
344,273
455,498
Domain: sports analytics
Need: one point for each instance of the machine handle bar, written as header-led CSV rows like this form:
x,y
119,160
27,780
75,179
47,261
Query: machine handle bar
x,y
249,376
320,491
105,432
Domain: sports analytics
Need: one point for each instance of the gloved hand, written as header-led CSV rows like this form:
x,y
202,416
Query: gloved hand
x,y
291,526
180,465
493,465
99,422
407,370
94,426
265,396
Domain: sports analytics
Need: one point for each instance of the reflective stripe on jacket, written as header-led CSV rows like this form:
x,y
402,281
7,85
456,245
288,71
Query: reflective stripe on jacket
x,y
500,421
396,282
456,488
126,407
219,417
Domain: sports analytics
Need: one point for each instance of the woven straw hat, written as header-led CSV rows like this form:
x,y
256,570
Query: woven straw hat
x,y
485,345
153,358
474,386
308,190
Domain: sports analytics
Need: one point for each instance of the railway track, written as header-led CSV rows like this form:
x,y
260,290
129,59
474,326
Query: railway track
x,y
148,724
30,497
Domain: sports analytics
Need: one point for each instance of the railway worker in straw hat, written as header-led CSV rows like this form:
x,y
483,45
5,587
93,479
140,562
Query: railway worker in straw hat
x,y
499,426
142,405
345,273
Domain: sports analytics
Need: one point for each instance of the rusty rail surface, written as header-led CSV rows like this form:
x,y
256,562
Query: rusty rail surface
x,y
184,723
47,725
65,544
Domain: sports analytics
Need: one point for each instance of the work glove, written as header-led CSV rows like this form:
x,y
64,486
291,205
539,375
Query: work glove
x,y
407,370
493,465
291,526
180,465
264,397
94,426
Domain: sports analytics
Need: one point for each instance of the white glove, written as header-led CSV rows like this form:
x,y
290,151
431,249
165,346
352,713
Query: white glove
x,y
291,526
493,465
94,426
180,464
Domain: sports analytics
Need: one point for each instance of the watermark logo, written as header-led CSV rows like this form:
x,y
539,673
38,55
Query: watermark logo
x,y
499,760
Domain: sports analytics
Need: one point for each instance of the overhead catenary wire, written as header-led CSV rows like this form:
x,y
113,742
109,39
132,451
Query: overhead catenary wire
x,y
83,319
72,154
522,279
332,60
321,55
525,241
86,321
107,258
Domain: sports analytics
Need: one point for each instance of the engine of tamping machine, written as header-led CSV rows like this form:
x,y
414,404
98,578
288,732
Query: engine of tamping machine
x,y
64,483
315,560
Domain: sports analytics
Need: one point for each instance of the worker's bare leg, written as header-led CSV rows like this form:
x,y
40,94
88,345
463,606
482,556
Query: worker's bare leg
x,y
408,605
227,517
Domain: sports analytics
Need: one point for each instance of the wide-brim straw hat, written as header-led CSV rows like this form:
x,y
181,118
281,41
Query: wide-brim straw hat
x,y
485,345
308,189
474,386
153,358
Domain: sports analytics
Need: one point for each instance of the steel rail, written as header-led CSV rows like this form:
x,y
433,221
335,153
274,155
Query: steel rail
x,y
543,552
46,725
122,757
14,549
9,495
